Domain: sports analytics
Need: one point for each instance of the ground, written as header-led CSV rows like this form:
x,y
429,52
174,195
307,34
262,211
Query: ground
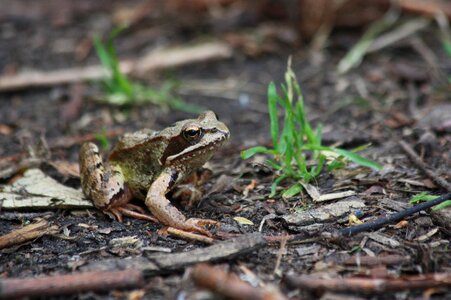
x,y
392,95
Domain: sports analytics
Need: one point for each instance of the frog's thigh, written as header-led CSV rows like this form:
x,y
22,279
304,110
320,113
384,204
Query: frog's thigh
x,y
159,205
103,184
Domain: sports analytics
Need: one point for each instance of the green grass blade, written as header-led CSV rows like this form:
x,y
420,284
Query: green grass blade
x,y
358,159
442,205
288,157
447,46
316,170
273,164
423,196
248,153
356,54
273,117
292,191
102,53
275,184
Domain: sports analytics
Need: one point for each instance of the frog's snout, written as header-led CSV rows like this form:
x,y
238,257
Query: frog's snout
x,y
224,131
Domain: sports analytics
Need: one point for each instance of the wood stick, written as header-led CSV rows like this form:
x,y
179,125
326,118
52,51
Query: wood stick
x,y
164,263
155,60
391,260
229,285
422,166
27,233
371,285
69,284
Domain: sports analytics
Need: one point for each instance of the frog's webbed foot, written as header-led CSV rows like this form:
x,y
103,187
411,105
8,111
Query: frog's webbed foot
x,y
200,225
187,235
131,210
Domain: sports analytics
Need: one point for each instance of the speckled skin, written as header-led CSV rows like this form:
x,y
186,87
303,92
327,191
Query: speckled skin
x,y
148,164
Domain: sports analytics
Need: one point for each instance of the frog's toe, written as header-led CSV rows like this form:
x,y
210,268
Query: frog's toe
x,y
116,213
137,215
201,225
204,222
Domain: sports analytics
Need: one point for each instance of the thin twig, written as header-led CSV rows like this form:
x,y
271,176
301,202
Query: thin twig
x,y
69,284
27,233
371,285
422,166
394,217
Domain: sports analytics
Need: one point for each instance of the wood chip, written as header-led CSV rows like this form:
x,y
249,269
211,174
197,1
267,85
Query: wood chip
x,y
384,240
324,213
36,190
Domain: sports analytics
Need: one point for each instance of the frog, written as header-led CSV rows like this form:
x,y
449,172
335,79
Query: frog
x,y
147,165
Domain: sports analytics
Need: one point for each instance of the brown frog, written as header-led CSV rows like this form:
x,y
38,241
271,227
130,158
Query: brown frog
x,y
147,165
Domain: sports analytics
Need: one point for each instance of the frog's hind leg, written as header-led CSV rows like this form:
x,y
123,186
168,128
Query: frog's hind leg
x,y
168,214
105,185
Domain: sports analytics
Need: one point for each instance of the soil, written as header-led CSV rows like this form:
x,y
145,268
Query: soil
x,y
377,103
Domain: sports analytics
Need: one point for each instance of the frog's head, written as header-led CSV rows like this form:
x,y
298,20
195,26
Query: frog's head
x,y
194,141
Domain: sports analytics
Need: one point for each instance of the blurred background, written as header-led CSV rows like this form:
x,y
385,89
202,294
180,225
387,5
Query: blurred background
x,y
365,67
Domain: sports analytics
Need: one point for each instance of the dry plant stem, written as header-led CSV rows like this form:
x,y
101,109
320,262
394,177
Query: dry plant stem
x,y
27,233
229,285
160,59
189,236
371,285
378,223
422,166
69,284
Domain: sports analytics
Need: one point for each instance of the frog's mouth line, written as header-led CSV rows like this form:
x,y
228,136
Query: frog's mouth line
x,y
196,150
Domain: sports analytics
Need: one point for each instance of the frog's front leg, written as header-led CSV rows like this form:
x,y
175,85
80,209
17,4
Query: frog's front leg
x,y
105,186
168,214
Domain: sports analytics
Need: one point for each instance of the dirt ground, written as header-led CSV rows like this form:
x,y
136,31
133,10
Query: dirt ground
x,y
395,94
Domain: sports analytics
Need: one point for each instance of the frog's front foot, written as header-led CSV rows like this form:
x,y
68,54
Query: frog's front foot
x,y
130,210
199,225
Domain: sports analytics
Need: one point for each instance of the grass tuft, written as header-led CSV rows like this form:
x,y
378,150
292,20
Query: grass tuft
x,y
297,152
122,91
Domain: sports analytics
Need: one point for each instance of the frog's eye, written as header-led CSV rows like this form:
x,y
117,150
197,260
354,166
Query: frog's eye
x,y
192,133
